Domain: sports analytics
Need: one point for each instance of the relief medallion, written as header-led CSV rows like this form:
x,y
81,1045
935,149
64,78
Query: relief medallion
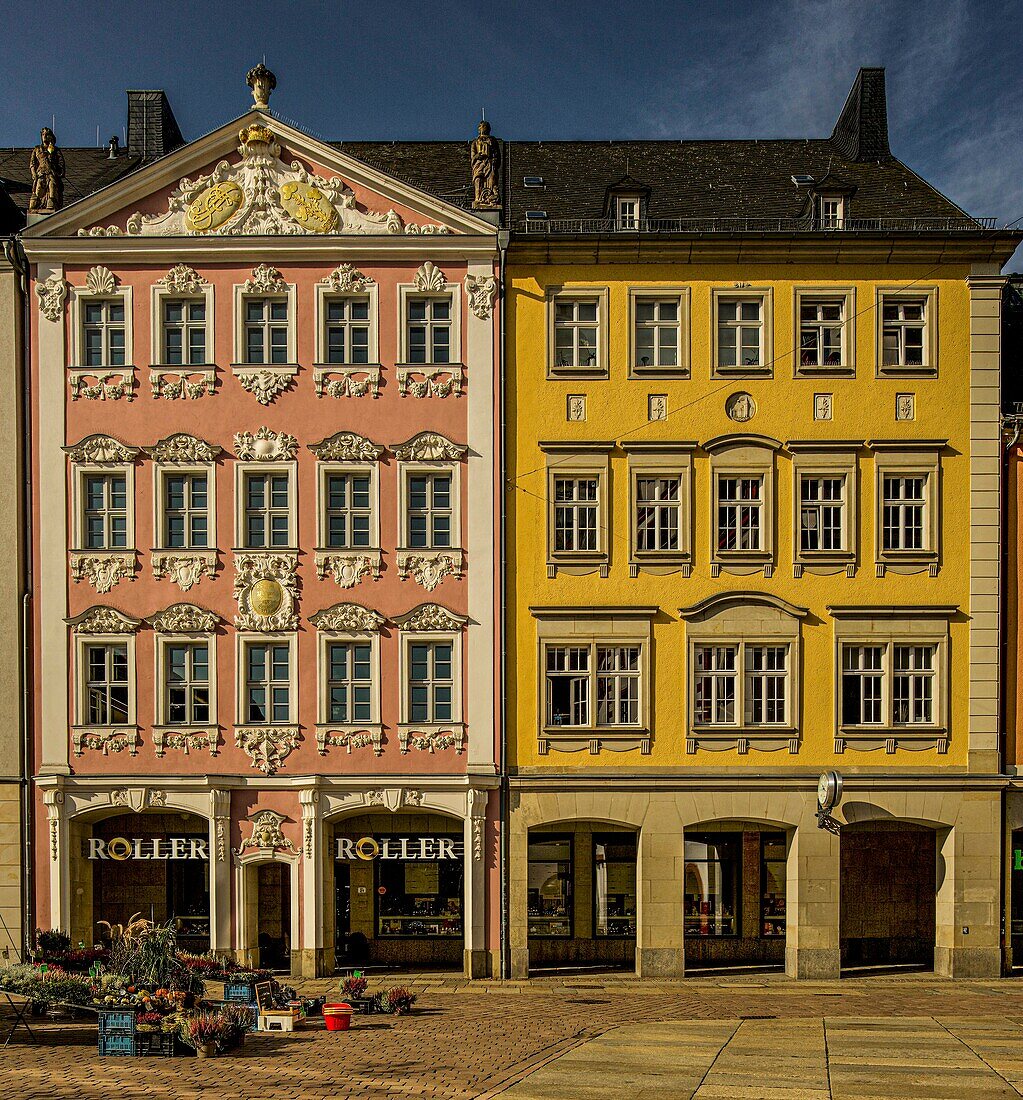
x,y
309,207
213,207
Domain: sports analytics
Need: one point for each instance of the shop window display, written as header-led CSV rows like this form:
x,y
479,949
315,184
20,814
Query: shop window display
x,y
772,884
712,876
549,904
614,885
419,897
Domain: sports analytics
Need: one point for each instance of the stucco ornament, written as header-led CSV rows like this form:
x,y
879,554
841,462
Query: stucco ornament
x,y
264,384
138,799
184,618
102,450
267,834
348,618
339,381
428,617
52,294
264,586
481,291
265,445
262,82
184,567
181,382
348,279
266,280
103,620
261,195
436,381
106,741
186,739
347,447
393,798
429,568
430,740
101,280
328,736
741,407
103,571
182,449
97,384
430,278
347,568
267,746
183,279
429,447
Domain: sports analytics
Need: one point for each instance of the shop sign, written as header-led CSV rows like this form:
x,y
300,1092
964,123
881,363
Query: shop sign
x,y
120,848
399,847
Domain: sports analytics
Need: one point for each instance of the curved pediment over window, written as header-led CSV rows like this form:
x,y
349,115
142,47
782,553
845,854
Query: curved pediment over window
x,y
715,605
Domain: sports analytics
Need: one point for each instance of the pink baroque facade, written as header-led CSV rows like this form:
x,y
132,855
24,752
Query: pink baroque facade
x,y
263,434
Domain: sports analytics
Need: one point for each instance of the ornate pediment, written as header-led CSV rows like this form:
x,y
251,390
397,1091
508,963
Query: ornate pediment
x,y
261,194
266,280
102,450
428,617
348,618
265,445
347,447
347,279
182,279
429,447
103,620
183,449
184,618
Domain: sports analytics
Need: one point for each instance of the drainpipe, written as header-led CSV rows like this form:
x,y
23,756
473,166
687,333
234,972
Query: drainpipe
x,y
502,245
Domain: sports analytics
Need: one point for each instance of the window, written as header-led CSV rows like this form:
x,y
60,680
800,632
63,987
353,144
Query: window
x,y
821,514
429,511
105,511
267,510
266,331
713,866
187,683
902,335
549,886
419,897
740,509
575,514
628,212
740,332
348,510
346,339
820,333
575,333
428,323
904,501
617,674
430,682
832,208
103,332
741,678
657,335
184,331
773,884
186,513
614,885
889,685
349,682
267,688
106,685
658,500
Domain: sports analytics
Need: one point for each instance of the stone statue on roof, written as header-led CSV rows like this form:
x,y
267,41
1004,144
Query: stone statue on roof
x,y
483,159
47,167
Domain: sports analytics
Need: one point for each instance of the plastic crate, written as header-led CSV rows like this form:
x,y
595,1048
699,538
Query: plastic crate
x,y
155,1044
118,1045
242,992
116,1021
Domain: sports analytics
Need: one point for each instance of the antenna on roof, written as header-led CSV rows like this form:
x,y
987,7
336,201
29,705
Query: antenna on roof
x,y
483,111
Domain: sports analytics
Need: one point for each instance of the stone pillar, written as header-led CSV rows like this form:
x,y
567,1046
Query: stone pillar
x,y
967,917
220,871
475,879
310,962
813,891
660,874
518,894
58,856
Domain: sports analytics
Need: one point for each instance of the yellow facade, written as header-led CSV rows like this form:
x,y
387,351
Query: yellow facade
x,y
617,408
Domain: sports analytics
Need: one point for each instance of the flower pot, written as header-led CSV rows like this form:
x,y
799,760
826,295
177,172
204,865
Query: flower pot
x,y
206,1050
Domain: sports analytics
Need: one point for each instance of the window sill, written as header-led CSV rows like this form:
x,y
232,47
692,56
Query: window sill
x,y
825,563
431,736
186,737
106,739
349,735
898,370
839,370
567,374
913,562
101,368
743,564
576,565
748,371
183,368
348,567
348,366
659,372
456,365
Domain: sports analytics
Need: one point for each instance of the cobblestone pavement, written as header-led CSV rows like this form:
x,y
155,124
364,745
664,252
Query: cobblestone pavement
x,y
586,1038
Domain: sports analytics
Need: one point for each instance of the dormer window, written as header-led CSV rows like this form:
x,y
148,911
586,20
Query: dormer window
x,y
627,212
832,214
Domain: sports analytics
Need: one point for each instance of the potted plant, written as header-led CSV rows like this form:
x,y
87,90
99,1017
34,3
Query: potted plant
x,y
353,990
399,1000
204,1032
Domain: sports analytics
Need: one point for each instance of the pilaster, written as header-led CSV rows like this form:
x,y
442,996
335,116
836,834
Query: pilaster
x,y
220,871
475,863
312,962
59,858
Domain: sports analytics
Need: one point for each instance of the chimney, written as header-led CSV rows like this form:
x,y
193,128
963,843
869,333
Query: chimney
x,y
861,132
152,127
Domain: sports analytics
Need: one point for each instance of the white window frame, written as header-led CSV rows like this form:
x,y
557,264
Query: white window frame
x,y
575,460
828,218
672,460
909,458
743,682
241,297
82,642
406,640
593,674
429,470
679,294
598,294
79,296
826,459
324,471
765,296
628,213
325,293
162,708
327,638
928,295
450,294
162,471
161,294
818,295
241,470
80,471
243,641
743,456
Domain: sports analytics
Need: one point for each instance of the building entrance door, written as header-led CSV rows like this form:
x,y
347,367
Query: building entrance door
x,y
273,914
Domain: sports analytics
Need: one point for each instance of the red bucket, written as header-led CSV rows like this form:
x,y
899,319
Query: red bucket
x,y
337,1017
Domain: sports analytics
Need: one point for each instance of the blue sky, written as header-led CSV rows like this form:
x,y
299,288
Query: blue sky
x,y
761,68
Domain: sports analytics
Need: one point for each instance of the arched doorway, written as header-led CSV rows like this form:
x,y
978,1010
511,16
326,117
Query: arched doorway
x,y
153,864
888,894
273,915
